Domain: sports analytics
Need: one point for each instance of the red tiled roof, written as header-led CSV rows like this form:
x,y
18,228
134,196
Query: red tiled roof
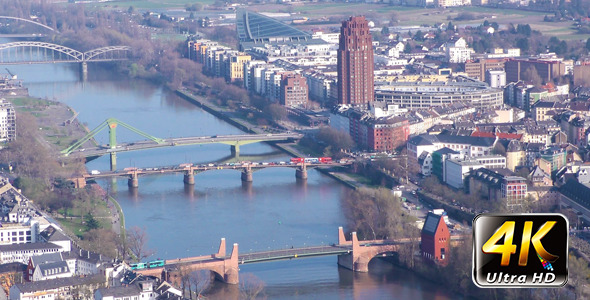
x,y
483,134
502,135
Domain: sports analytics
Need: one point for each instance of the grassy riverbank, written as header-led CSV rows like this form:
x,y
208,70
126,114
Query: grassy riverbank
x,y
57,129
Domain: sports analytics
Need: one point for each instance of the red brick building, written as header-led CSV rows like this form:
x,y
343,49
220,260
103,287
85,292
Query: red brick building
x,y
435,239
547,69
355,62
370,133
294,91
388,134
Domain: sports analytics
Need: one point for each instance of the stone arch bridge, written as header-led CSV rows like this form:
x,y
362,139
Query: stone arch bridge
x,y
354,255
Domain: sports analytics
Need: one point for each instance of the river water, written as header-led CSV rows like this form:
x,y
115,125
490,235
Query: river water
x,y
275,211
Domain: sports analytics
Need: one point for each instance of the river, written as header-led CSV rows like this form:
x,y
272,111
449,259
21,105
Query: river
x,y
275,211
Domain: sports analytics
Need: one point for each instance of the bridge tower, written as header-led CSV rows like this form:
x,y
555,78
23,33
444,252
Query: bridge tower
x,y
301,172
358,259
113,142
247,174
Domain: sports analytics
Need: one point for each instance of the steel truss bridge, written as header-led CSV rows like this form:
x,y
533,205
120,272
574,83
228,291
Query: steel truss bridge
x,y
27,21
77,150
40,52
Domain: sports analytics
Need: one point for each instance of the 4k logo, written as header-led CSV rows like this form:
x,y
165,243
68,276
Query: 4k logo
x,y
520,250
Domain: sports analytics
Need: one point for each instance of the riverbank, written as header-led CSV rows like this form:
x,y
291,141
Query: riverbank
x,y
224,114
58,128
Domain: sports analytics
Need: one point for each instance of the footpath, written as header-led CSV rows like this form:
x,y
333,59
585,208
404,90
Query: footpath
x,y
58,128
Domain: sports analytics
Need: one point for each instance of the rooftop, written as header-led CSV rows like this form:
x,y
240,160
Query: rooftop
x,y
44,285
120,291
254,27
28,246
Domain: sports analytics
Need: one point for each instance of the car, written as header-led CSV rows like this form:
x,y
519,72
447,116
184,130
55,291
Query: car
x,y
413,192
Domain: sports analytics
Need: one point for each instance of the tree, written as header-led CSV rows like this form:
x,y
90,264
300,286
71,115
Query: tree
x,y
194,7
524,29
377,214
393,18
194,282
276,112
199,281
335,139
450,26
578,276
419,36
102,241
523,44
407,48
531,74
91,222
137,240
588,44
250,286
385,30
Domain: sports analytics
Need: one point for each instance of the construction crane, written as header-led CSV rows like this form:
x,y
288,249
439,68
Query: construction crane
x,y
11,75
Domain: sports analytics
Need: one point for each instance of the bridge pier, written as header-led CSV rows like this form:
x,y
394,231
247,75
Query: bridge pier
x,y
133,182
84,71
247,176
301,173
189,178
235,150
113,161
79,182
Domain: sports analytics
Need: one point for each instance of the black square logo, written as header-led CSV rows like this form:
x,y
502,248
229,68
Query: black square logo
x,y
520,250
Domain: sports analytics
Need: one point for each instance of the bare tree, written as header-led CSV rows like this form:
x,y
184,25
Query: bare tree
x,y
250,286
101,241
137,240
199,281
531,74
377,214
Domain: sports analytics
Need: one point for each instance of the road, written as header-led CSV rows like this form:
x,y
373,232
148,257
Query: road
x,y
183,141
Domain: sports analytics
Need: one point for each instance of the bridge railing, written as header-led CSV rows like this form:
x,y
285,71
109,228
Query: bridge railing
x,y
293,252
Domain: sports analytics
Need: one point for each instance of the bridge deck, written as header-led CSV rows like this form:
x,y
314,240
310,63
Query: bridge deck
x,y
186,141
203,168
292,253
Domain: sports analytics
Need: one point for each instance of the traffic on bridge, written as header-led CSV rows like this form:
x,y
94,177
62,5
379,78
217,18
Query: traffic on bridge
x,y
246,168
232,140
353,254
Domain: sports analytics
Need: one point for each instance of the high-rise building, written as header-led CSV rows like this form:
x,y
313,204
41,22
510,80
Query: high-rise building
x,y
7,121
294,91
355,62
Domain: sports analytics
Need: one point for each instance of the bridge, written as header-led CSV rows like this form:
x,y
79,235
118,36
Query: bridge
x,y
27,21
24,52
189,170
354,255
234,141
